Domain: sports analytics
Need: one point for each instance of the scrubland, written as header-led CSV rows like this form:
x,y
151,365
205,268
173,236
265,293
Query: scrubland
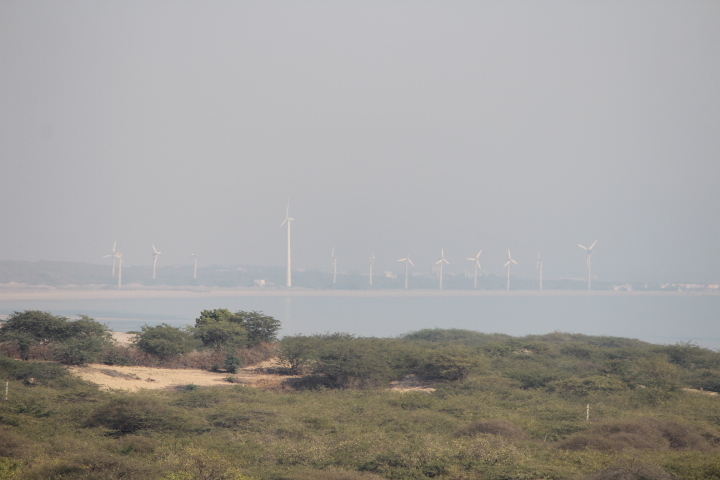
x,y
502,408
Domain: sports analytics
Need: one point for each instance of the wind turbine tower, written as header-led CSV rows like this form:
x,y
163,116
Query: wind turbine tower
x,y
407,261
372,260
113,255
156,254
119,257
440,262
334,265
194,265
476,264
588,251
287,220
509,262
540,266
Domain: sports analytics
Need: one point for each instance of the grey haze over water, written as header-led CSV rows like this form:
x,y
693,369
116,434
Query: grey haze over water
x,y
662,319
394,128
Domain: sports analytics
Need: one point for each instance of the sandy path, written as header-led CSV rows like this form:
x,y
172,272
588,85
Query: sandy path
x,y
138,378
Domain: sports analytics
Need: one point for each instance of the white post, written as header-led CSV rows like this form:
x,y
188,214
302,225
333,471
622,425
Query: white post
x,y
587,412
7,384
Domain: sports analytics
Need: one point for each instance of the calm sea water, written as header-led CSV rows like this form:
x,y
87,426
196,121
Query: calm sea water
x,y
656,319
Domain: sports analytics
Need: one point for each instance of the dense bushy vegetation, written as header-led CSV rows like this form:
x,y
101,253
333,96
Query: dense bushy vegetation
x,y
503,408
72,342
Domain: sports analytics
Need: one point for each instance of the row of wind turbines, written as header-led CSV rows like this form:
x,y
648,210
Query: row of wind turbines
x,y
117,262
117,256
442,261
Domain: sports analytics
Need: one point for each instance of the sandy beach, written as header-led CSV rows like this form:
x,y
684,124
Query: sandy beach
x,y
11,292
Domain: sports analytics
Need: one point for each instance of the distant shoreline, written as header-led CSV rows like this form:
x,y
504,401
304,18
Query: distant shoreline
x,y
12,292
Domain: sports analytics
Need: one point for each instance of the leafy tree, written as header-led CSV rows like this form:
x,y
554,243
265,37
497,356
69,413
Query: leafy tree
x,y
221,335
72,341
30,328
256,328
165,340
261,328
82,341
217,315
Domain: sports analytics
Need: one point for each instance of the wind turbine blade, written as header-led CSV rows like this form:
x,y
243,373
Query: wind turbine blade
x,y
582,246
507,263
513,261
478,255
472,259
591,246
155,249
411,262
439,261
402,260
114,246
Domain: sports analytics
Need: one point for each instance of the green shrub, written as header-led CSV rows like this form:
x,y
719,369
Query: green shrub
x,y
165,341
298,352
31,372
352,362
233,363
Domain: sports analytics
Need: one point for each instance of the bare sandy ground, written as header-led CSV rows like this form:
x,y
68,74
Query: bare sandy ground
x,y
148,378
10,292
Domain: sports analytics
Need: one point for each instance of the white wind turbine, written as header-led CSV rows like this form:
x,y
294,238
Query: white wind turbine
x,y
287,220
407,261
155,254
334,265
194,265
440,262
540,267
372,261
476,264
588,251
507,264
119,257
113,255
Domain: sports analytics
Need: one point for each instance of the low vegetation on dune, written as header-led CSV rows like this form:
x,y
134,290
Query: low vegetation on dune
x,y
555,406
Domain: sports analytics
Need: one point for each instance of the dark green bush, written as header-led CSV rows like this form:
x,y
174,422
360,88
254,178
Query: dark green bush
x,y
129,414
447,363
233,363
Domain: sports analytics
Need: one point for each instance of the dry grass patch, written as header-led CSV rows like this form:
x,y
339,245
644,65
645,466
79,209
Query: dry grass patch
x,y
497,427
640,434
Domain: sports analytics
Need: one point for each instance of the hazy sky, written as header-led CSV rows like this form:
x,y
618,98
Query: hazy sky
x,y
394,128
